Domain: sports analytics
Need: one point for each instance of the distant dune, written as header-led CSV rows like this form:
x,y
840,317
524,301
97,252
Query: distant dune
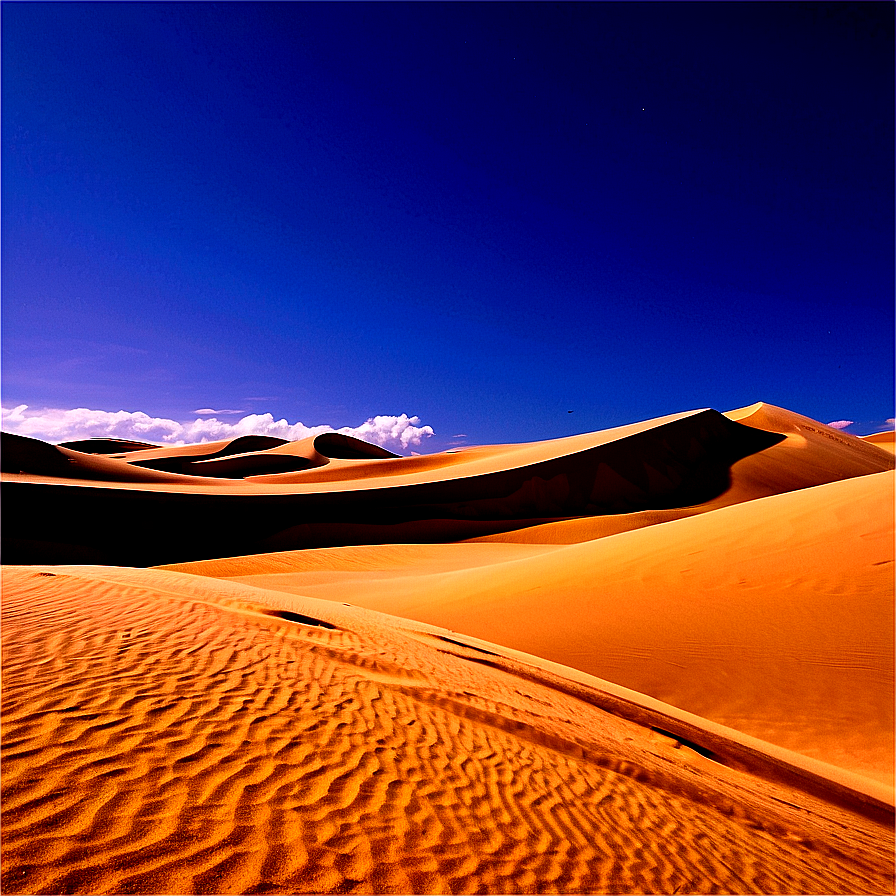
x,y
885,440
157,506
653,659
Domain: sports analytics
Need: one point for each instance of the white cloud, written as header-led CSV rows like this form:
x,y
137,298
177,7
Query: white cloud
x,y
891,421
205,412
841,424
58,425
385,431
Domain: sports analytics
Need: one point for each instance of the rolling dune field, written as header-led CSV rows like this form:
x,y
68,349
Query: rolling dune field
x,y
653,659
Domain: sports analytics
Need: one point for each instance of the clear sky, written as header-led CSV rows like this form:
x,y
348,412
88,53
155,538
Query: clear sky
x,y
484,215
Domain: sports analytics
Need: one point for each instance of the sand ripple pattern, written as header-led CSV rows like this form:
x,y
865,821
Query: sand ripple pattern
x,y
160,741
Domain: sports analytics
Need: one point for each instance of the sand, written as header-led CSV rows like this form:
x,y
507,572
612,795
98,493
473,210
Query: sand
x,y
751,616
656,659
885,440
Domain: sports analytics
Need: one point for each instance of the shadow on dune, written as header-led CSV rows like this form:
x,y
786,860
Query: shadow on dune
x,y
178,463
22,454
106,445
680,463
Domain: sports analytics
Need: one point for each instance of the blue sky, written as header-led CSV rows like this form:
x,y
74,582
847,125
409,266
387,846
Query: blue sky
x,y
483,215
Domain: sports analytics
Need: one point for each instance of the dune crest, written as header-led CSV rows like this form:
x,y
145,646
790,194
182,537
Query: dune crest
x,y
232,497
353,492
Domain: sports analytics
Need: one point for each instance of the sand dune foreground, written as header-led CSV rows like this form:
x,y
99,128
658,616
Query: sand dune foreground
x,y
655,659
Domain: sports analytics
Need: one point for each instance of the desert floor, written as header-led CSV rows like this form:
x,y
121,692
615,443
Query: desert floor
x,y
654,659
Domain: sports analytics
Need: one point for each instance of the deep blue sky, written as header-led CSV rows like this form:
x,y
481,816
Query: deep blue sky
x,y
484,214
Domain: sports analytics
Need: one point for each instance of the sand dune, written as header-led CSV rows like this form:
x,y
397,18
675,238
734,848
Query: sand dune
x,y
885,440
165,733
751,615
654,659
74,507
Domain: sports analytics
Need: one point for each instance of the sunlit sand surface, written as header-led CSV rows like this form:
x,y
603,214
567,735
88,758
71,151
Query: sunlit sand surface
x,y
885,440
752,616
656,659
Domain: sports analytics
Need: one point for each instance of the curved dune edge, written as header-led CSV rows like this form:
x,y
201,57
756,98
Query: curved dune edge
x,y
810,454
559,491
332,461
339,476
885,440
168,733
106,445
774,617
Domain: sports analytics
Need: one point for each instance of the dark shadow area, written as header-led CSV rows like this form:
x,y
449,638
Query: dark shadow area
x,y
245,465
21,454
466,646
289,616
337,445
686,743
107,446
184,463
682,463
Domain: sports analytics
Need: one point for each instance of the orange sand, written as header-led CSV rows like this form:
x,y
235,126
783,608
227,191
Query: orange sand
x,y
657,659
885,440
752,615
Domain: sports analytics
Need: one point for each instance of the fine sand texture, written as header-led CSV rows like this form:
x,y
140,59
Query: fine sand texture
x,y
652,659
164,733
753,615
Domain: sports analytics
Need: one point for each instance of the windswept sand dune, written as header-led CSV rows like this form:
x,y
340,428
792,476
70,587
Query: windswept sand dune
x,y
165,733
811,453
655,659
71,506
250,456
752,615
807,454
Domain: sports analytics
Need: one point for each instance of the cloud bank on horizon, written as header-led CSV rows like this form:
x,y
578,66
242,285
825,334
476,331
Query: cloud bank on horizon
x,y
64,425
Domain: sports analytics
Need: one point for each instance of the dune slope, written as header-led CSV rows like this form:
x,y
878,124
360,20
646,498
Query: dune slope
x,y
753,615
168,733
68,505
885,440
